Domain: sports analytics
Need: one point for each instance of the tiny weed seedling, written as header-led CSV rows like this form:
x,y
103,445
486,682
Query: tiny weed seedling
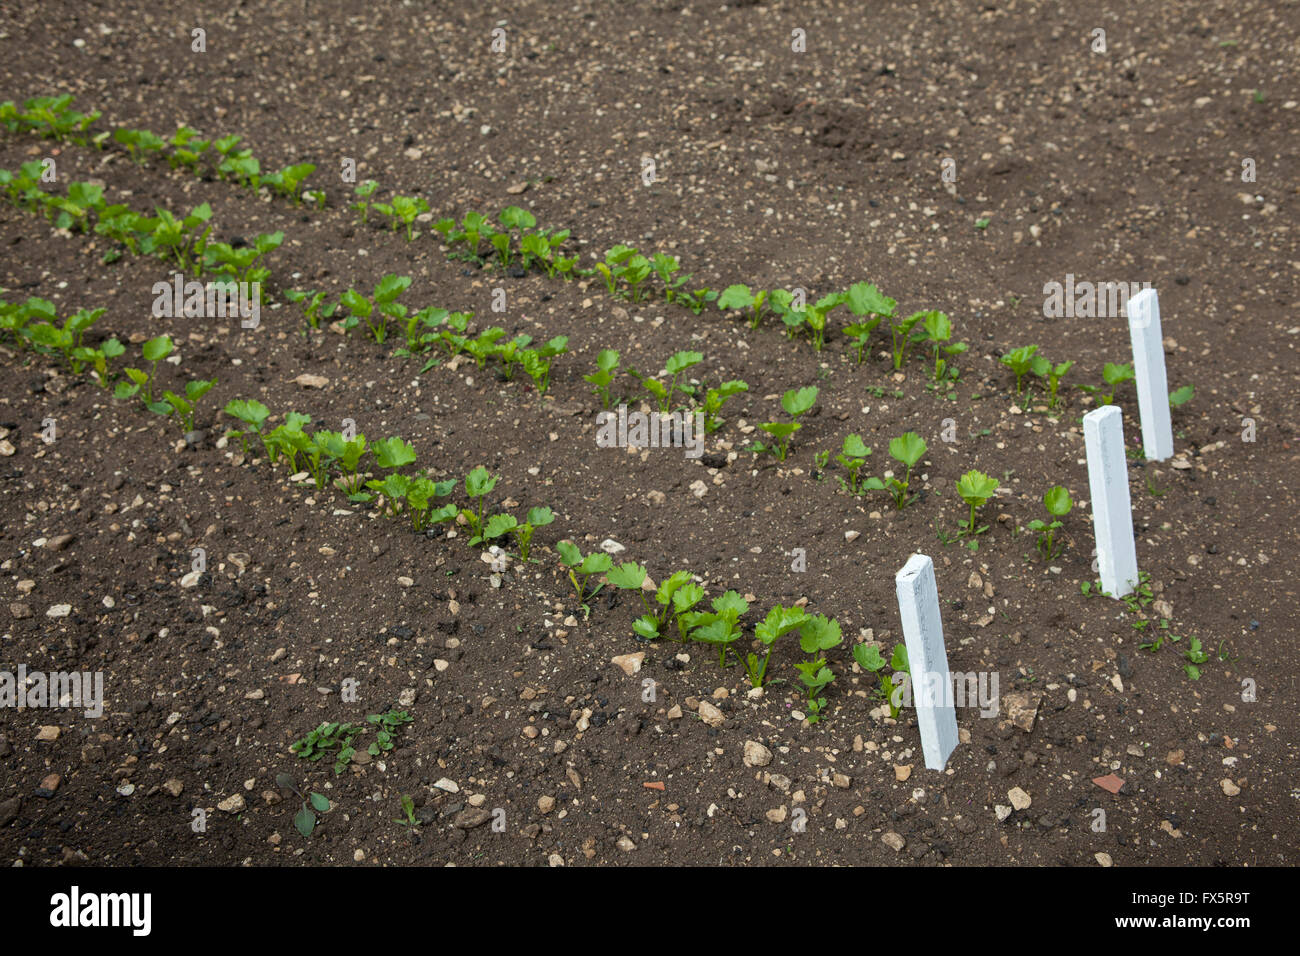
x,y
387,724
1195,655
908,449
306,818
796,402
329,738
1058,503
408,811
1053,374
975,489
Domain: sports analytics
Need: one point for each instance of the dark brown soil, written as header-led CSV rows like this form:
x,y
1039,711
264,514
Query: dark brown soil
x,y
775,169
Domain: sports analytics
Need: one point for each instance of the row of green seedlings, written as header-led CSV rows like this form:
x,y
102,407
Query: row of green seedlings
x,y
335,458
339,740
708,399
430,327
184,241
34,324
53,117
1025,361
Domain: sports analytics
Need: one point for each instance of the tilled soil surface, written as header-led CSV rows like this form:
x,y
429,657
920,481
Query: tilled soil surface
x,y
773,168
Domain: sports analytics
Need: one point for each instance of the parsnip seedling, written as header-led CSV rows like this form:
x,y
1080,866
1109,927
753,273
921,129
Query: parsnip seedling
x,y
1021,362
908,449
714,399
363,191
902,335
253,414
582,568
154,351
1053,374
975,489
537,518
853,456
1114,375
738,297
795,402
816,636
780,621
720,628
478,485
603,377
537,362
1058,503
938,332
1181,396
184,405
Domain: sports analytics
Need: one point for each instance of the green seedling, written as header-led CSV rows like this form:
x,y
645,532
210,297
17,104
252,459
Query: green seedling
x,y
739,298
181,239
795,402
478,485
253,414
698,300
484,346
867,303
666,267
603,377
1195,656
286,181
714,399
1053,374
1021,362
677,363
408,810
288,440
902,335
780,621
721,628
305,819
938,332
387,724
869,659
538,517
139,143
581,567
363,191
317,307
154,351
1114,375
817,635
975,489
1181,396
537,362
853,455
1058,503
630,576
326,739
908,449
419,496
187,149
679,595
185,405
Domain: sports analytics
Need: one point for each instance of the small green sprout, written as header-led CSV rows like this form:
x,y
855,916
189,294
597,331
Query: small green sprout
x,y
714,399
721,628
1114,375
603,377
363,191
185,405
154,351
796,402
1021,362
1058,503
853,456
938,331
305,819
908,449
975,489
738,297
581,567
902,335
1181,396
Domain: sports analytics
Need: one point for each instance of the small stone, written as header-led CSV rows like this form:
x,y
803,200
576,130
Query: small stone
x,y
1229,788
1174,758
173,787
674,712
852,535
629,663
359,855
778,815
1103,859
232,804
59,542
448,785
59,610
545,804
1002,810
47,733
893,840
841,781
902,772
710,714
50,783
555,860
191,579
756,755
307,380
20,611
1019,799
626,845
610,546
473,817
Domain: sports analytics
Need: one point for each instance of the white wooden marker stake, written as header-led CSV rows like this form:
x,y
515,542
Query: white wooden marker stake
x,y
1149,369
918,605
1112,513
